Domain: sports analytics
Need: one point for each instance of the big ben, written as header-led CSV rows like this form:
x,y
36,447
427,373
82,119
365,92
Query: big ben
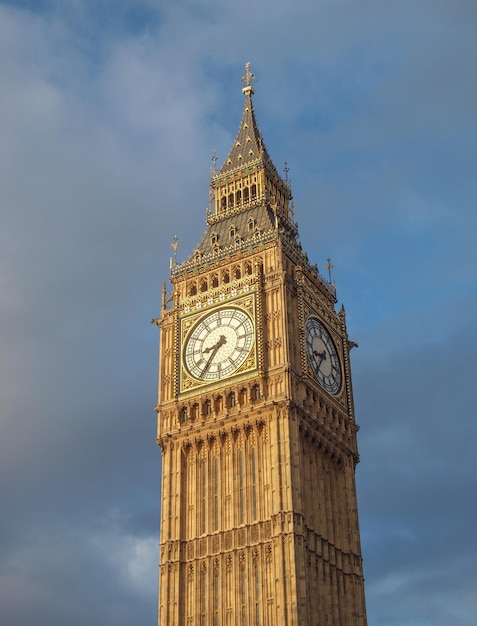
x,y
256,424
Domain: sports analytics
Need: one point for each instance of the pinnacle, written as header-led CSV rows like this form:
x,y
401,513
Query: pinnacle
x,y
248,147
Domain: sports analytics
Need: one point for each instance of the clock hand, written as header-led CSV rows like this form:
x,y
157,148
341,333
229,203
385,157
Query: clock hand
x,y
322,355
220,342
215,349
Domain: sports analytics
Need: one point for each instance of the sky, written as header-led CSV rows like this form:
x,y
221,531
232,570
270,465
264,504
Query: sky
x,y
109,115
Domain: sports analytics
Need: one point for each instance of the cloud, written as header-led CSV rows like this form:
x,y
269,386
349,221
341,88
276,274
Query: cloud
x,y
108,117
69,575
415,479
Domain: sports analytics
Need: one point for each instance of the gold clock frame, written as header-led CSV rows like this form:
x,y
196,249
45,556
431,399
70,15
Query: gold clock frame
x,y
188,320
307,310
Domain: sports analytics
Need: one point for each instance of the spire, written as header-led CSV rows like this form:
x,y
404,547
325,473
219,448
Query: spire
x,y
250,204
248,147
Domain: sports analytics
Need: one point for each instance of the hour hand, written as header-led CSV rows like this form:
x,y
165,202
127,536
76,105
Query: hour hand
x,y
217,345
321,355
214,349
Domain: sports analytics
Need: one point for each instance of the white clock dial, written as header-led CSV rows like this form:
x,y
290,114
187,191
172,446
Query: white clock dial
x,y
323,355
218,344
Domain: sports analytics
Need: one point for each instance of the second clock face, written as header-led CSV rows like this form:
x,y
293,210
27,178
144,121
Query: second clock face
x,y
218,344
322,355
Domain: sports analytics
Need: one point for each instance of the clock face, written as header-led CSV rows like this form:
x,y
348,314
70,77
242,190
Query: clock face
x,y
322,355
218,344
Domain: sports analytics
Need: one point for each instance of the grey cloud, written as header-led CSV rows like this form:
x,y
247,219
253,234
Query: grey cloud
x,y
107,129
416,477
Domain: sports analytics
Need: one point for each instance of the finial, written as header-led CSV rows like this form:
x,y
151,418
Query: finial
x,y
214,162
329,267
286,169
174,245
247,79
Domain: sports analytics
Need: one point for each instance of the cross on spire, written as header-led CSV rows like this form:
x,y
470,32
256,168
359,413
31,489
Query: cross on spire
x,y
247,79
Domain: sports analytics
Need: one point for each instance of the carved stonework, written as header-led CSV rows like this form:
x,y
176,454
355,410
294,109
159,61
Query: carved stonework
x,y
268,530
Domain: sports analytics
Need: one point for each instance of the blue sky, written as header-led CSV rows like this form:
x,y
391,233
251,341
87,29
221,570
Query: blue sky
x,y
109,113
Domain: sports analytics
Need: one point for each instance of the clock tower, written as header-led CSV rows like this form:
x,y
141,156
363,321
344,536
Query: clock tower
x,y
259,520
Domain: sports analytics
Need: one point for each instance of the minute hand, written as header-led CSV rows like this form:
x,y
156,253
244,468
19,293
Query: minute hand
x,y
214,349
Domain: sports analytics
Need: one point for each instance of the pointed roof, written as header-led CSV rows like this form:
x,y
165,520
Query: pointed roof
x,y
245,224
248,147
